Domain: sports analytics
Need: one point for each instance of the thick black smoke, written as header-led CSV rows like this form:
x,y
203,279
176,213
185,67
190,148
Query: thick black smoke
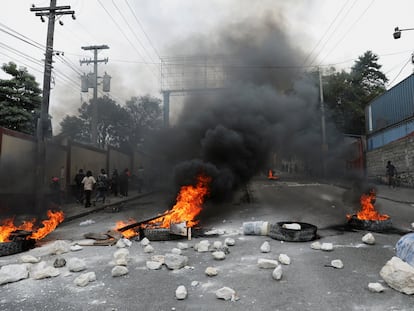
x,y
267,105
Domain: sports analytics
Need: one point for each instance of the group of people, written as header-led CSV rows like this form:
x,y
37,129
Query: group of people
x,y
86,183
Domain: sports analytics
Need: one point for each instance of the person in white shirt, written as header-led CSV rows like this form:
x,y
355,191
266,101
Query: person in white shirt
x,y
88,185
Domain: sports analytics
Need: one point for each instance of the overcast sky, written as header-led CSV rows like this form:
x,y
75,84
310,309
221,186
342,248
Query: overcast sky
x,y
326,31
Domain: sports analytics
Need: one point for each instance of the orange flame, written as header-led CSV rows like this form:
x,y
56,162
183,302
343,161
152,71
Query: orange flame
x,y
130,233
7,226
271,176
368,211
189,204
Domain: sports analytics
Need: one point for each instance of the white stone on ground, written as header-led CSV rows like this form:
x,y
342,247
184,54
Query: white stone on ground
x,y
265,247
327,246
84,279
219,255
195,283
375,287
284,259
277,273
76,264
181,292
154,265
145,242
121,257
176,251
119,271
337,263
226,293
316,245
84,242
229,242
42,271
399,275
264,263
203,246
217,245
293,226
13,273
368,239
182,245
60,247
75,248
211,271
174,262
159,258
148,249
29,259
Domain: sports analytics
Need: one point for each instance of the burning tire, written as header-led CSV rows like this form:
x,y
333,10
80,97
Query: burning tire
x,y
306,233
159,234
14,247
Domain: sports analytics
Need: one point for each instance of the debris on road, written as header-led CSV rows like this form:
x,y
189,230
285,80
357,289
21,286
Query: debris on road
x,y
368,239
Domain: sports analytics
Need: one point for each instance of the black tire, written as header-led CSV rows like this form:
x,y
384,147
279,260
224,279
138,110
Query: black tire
x,y
307,232
14,247
160,234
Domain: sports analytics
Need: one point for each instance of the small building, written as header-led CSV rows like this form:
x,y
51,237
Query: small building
x,y
390,132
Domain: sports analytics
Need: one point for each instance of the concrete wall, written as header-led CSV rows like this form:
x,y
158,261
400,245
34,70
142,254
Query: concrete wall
x,y
118,160
400,153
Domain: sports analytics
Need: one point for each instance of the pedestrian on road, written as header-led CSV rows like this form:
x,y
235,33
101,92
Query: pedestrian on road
x,y
123,182
88,184
391,173
101,186
115,182
79,187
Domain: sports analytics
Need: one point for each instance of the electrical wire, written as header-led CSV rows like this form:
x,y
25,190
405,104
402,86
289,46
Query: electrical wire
x,y
395,78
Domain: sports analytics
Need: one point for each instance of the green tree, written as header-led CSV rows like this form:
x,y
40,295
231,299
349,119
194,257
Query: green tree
x,y
145,115
20,100
348,93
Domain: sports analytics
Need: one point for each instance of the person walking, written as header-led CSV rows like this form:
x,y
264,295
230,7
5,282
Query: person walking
x,y
101,186
123,182
391,173
115,182
79,187
88,184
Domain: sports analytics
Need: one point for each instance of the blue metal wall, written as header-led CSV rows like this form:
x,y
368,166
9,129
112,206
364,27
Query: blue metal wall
x,y
394,106
391,134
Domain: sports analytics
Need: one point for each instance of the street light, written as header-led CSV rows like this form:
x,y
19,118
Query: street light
x,y
397,32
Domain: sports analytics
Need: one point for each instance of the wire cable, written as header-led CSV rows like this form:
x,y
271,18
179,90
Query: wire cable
x,y
395,78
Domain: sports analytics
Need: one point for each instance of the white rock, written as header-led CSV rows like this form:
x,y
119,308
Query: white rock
x,y
42,271
119,271
13,273
337,263
159,258
120,244
219,255
84,242
87,222
277,273
292,226
202,246
75,248
148,249
211,271
181,292
264,263
327,246
229,242
84,279
174,262
376,287
176,251
145,242
154,265
265,248
121,257
29,259
368,239
195,283
126,241
60,247
226,293
399,275
316,245
181,245
284,259
217,245
76,264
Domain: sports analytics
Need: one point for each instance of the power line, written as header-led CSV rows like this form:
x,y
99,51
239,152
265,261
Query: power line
x,y
21,54
19,61
27,39
405,65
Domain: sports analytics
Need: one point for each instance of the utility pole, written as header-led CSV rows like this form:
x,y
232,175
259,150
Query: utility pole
x,y
95,61
43,123
324,145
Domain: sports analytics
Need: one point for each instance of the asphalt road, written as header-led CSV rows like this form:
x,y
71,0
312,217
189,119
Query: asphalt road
x,y
307,283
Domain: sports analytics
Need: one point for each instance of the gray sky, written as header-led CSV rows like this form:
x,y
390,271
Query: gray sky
x,y
327,31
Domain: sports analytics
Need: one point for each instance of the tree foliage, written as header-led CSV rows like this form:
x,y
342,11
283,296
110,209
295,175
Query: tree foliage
x,y
117,126
348,93
20,100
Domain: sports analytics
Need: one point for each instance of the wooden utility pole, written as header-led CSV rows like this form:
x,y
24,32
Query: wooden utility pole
x,y
43,124
95,61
